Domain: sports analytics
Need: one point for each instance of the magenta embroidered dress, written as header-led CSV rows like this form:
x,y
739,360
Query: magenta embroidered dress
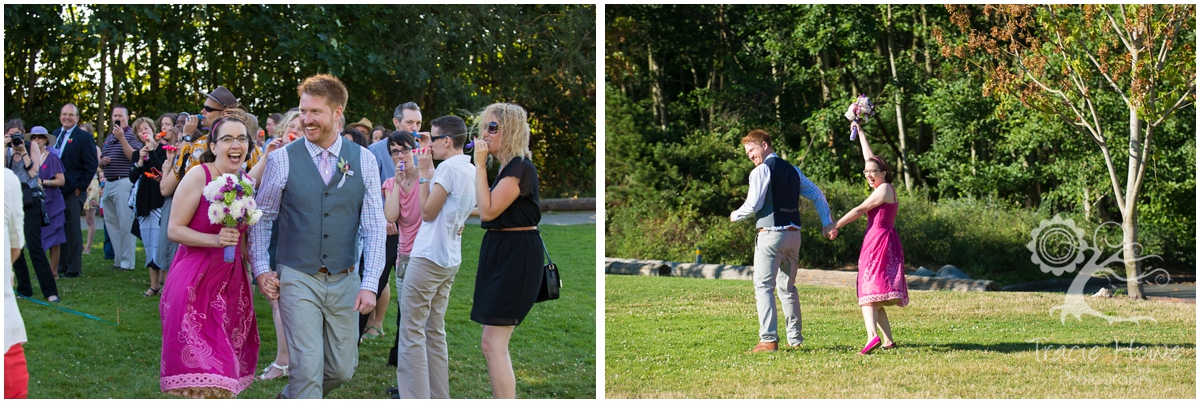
x,y
210,336
881,260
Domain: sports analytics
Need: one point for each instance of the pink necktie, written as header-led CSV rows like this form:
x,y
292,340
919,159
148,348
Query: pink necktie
x,y
326,169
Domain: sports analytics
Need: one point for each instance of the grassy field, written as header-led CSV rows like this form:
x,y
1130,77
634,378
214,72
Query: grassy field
x,y
553,351
688,338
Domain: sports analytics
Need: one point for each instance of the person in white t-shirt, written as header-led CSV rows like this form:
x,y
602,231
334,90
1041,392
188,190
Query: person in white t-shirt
x,y
16,375
447,196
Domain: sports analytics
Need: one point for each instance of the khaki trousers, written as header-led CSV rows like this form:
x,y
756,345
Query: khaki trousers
x,y
423,370
322,330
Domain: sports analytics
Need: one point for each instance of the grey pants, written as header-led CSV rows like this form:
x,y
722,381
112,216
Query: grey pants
x,y
775,258
166,248
322,330
423,363
118,219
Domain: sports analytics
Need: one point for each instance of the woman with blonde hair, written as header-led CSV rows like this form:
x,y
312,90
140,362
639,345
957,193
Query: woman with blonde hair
x,y
148,199
510,258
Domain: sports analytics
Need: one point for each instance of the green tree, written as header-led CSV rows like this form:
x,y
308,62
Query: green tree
x,y
450,60
1063,60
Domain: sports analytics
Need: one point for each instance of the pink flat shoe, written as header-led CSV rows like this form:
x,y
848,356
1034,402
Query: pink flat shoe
x,y
870,346
889,346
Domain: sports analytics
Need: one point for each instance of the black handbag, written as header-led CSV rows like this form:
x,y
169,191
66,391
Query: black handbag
x,y
550,280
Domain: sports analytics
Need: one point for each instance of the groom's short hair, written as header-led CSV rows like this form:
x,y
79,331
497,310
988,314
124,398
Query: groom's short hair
x,y
325,85
756,136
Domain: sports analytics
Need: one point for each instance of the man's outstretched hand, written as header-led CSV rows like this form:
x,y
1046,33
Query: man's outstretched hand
x,y
830,231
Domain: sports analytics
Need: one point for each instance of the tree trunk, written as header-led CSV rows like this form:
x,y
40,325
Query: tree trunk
x,y
656,92
908,182
30,81
974,157
821,67
712,106
1136,160
925,44
152,65
102,91
1129,222
778,87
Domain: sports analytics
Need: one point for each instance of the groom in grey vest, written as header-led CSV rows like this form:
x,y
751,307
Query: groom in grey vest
x,y
317,188
774,200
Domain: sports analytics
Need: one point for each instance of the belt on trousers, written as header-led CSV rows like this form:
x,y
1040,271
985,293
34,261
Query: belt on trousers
x,y
787,229
324,270
114,178
533,228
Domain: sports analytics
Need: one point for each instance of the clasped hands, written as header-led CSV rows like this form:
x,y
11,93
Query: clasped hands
x,y
830,231
268,284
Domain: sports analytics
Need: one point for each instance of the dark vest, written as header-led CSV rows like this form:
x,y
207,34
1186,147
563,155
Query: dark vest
x,y
781,204
318,223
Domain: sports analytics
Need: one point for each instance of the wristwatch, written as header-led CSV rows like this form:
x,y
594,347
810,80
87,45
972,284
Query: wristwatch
x,y
423,181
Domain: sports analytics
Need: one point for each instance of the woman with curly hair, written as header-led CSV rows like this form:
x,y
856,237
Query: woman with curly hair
x,y
510,258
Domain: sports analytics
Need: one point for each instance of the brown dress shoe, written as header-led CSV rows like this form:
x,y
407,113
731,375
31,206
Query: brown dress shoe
x,y
765,346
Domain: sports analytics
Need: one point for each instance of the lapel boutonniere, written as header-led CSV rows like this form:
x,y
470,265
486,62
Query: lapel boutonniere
x,y
69,141
345,168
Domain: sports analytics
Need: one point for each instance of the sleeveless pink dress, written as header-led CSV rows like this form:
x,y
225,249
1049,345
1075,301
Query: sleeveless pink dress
x,y
209,332
881,260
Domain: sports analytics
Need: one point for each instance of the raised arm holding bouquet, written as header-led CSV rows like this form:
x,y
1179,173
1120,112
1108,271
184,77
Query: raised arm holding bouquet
x,y
881,280
857,113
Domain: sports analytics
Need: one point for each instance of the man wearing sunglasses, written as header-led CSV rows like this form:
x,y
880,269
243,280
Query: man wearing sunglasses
x,y
188,156
215,104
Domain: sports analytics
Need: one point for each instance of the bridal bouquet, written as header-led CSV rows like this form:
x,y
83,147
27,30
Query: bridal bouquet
x,y
231,204
859,111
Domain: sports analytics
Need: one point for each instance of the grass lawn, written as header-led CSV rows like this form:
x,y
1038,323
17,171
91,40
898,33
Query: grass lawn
x,y
553,351
688,338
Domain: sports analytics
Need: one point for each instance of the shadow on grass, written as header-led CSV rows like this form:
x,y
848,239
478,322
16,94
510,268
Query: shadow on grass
x,y
1038,346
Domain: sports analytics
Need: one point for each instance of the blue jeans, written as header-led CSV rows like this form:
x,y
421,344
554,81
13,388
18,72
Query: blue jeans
x,y
775,258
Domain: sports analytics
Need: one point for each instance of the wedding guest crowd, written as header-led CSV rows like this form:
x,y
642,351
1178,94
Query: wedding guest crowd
x,y
309,185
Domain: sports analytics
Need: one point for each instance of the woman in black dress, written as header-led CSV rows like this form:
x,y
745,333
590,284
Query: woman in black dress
x,y
510,258
148,201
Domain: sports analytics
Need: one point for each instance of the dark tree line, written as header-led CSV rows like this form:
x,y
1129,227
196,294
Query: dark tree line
x,y
685,83
448,59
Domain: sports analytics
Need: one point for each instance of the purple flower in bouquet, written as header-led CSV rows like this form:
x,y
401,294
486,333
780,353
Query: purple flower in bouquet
x,y
859,111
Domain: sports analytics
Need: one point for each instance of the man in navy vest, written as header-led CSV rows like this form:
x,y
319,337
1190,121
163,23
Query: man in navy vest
x,y
774,198
319,189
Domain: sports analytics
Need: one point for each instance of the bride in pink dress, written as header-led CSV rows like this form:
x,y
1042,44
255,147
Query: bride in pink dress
x,y
210,336
881,280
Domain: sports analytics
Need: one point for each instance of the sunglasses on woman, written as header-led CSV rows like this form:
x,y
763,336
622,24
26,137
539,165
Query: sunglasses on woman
x,y
493,127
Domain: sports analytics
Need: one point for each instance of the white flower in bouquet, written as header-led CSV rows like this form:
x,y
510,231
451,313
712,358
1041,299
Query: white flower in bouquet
x,y
231,199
